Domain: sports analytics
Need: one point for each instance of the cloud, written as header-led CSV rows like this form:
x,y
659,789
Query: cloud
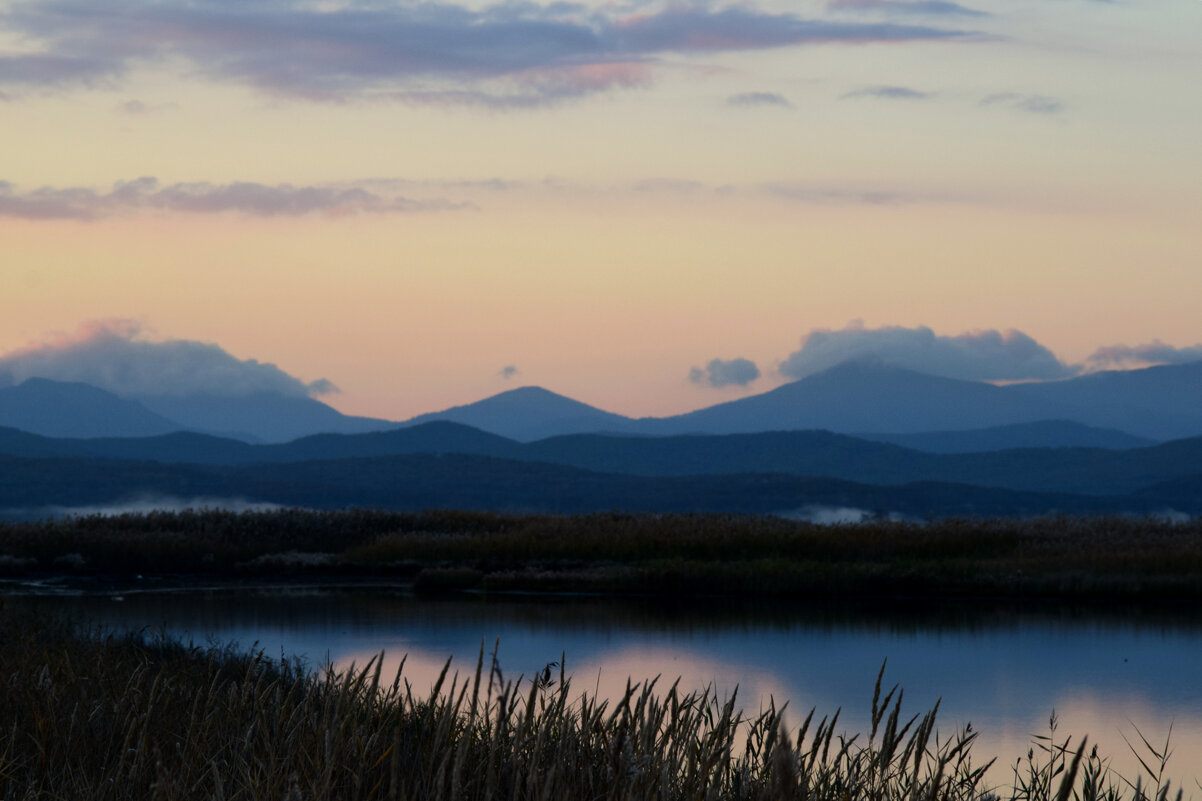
x,y
693,29
830,194
981,355
533,89
888,93
57,70
242,197
114,355
507,55
667,185
725,373
509,372
136,108
935,8
1035,104
758,99
1154,352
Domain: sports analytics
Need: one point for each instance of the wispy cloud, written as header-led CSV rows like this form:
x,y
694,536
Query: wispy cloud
x,y
758,99
725,372
1154,352
509,372
508,55
668,185
835,194
248,198
935,8
116,356
57,70
887,93
1034,104
137,108
980,355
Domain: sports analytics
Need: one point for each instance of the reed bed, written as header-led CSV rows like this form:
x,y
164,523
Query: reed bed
x,y
91,715
1061,557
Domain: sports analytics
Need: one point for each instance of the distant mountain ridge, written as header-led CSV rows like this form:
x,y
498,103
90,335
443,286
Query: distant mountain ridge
x,y
865,396
1161,402
1094,471
262,417
33,488
1040,434
72,409
530,413
1158,403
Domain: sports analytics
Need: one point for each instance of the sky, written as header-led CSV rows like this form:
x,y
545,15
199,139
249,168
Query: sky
x,y
647,206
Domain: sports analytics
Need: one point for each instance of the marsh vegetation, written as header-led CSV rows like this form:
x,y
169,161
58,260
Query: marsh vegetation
x,y
1106,558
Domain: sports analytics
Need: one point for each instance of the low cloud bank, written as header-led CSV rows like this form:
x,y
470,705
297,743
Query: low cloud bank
x,y
725,373
1154,352
114,356
981,355
978,355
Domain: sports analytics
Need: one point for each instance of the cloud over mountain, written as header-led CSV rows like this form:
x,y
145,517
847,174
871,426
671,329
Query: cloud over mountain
x,y
981,355
1154,352
725,373
114,356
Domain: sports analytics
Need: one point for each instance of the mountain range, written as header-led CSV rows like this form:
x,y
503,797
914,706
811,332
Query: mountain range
x,y
934,446
1086,470
1155,403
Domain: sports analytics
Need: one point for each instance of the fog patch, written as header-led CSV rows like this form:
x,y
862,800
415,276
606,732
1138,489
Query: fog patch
x,y
1172,516
821,515
140,505
828,515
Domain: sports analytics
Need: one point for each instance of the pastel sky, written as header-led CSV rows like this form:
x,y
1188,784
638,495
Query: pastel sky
x,y
648,206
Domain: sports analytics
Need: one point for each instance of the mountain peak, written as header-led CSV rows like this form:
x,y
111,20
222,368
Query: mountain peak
x,y
72,409
529,413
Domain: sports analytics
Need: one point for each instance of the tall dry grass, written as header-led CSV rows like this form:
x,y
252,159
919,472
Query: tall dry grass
x,y
88,715
1100,558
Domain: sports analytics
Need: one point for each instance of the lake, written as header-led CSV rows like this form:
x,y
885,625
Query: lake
x,y
1108,673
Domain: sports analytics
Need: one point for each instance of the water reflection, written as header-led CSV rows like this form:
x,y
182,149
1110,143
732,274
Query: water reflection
x,y
1003,668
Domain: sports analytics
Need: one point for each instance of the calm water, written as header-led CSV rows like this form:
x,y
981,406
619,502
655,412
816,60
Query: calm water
x,y
1004,670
